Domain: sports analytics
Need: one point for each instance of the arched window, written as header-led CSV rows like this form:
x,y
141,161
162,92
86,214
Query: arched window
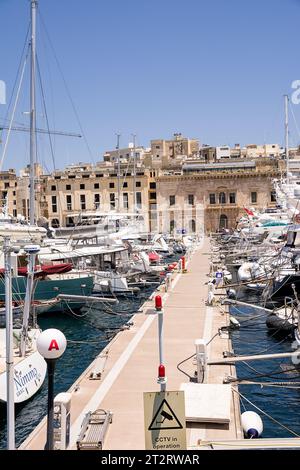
x,y
192,226
222,198
223,221
55,223
172,225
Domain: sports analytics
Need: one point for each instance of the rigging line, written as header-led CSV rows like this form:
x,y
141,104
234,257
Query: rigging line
x,y
266,414
291,385
13,113
16,79
45,111
67,89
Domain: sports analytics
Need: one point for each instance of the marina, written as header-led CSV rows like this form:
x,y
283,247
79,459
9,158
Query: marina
x,y
149,289
121,388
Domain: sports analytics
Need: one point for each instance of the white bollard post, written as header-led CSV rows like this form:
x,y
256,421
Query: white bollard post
x,y
201,357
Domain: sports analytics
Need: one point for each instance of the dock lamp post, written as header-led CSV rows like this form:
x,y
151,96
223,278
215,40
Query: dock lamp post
x,y
51,344
161,379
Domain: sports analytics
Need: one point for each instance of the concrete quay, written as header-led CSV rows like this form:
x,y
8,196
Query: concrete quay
x,y
130,361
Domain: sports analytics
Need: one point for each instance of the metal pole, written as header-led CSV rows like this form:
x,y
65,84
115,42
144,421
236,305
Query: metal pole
x,y
50,410
9,349
32,115
286,125
238,302
160,344
119,171
252,358
27,303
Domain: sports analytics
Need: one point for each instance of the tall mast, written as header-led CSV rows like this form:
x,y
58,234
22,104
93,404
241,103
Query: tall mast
x,y
119,171
32,114
134,173
286,126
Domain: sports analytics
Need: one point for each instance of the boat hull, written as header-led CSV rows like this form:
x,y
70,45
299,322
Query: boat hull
x,y
29,375
47,289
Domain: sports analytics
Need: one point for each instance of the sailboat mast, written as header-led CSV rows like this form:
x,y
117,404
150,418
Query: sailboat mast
x,y
119,172
286,126
32,114
134,174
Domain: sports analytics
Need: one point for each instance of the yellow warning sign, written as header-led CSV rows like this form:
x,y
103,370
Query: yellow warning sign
x,y
164,414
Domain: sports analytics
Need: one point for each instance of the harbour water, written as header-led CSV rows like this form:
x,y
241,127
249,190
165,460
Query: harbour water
x,y
87,335
278,401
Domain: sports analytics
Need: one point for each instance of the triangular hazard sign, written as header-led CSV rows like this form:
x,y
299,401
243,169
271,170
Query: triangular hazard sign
x,y
164,418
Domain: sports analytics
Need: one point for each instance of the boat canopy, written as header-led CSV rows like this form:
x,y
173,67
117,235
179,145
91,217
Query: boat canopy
x,y
273,223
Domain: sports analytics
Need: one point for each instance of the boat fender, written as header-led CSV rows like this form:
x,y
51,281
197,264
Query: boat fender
x,y
234,322
252,424
231,293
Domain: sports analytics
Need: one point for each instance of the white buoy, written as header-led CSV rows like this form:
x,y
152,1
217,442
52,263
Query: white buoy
x,y
252,424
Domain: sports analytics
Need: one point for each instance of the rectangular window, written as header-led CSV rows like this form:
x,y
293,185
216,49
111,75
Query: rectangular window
x,y
69,202
97,201
15,202
82,186
152,185
172,200
125,185
54,204
68,187
112,200
53,188
125,200
253,197
15,212
191,199
14,193
232,198
273,196
157,146
138,184
111,185
138,196
212,198
82,202
96,186
153,196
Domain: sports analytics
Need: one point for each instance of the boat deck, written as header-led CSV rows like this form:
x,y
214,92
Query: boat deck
x,y
129,363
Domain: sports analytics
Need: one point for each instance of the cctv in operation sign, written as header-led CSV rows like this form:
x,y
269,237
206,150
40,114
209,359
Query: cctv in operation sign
x,y
164,414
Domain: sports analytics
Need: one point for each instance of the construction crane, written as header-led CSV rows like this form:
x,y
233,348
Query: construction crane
x,y
41,131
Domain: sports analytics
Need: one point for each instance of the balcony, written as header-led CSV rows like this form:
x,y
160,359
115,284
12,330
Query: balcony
x,y
222,206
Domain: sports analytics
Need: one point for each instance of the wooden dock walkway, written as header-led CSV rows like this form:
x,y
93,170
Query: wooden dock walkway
x,y
130,363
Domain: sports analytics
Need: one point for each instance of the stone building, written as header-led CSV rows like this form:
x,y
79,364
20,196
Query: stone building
x,y
168,150
214,197
8,191
73,192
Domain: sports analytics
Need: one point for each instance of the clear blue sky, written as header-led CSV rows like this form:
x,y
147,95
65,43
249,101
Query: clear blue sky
x,y
214,70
